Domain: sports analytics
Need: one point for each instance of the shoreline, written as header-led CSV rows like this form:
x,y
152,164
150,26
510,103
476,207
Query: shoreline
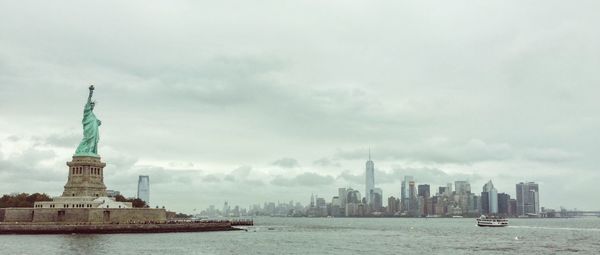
x,y
41,229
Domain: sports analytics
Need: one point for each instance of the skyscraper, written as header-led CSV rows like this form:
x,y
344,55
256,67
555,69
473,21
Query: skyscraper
x,y
528,200
393,205
413,202
423,190
377,202
503,204
442,190
343,195
369,180
404,192
352,202
492,198
143,191
462,187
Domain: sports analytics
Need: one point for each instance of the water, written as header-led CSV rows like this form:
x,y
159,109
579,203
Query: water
x,y
336,236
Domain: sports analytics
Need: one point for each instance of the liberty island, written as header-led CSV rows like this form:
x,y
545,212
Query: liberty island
x,y
85,207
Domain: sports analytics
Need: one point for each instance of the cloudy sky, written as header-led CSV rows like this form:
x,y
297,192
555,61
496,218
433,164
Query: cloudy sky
x,y
274,100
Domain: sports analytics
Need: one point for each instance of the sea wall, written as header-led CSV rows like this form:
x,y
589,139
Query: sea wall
x,y
33,228
82,215
17,214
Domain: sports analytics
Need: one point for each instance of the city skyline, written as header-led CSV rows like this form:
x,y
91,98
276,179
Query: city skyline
x,y
457,200
217,108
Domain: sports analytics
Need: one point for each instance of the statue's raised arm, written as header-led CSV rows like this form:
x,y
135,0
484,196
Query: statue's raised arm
x,y
91,88
89,144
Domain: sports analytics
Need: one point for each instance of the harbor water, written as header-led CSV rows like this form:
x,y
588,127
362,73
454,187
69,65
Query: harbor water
x,y
336,236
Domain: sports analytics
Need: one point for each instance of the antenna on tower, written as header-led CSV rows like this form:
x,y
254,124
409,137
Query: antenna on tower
x,y
369,153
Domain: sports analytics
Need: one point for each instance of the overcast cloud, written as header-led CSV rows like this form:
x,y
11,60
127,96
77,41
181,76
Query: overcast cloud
x,y
274,100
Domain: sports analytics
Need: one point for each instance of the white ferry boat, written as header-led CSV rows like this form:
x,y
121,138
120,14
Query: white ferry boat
x,y
492,221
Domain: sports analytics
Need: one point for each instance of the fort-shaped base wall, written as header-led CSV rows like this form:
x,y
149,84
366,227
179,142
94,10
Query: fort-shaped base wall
x,y
82,215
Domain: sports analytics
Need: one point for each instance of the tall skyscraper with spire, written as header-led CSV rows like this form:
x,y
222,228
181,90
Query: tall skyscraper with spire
x,y
369,179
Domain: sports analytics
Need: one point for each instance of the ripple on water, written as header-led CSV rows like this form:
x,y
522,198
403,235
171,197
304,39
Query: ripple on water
x,y
336,236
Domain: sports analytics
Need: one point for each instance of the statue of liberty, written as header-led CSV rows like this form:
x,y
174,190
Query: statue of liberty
x,y
89,144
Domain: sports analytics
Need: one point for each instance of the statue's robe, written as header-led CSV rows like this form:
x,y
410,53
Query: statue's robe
x,y
89,143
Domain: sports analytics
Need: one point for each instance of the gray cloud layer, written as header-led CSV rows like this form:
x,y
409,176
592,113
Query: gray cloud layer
x,y
218,102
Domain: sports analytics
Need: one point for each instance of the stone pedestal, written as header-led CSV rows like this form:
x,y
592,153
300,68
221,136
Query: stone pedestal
x,y
86,177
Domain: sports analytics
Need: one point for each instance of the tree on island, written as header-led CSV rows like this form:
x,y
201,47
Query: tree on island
x,y
183,215
22,199
135,202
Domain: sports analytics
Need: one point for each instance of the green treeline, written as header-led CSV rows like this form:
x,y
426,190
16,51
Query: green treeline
x,y
27,200
135,202
22,200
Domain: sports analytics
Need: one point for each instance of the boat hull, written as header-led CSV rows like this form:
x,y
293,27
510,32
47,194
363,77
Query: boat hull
x,y
488,225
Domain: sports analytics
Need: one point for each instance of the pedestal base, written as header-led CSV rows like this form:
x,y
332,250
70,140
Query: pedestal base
x,y
86,177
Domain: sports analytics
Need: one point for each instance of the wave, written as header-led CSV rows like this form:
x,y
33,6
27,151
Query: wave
x,y
553,228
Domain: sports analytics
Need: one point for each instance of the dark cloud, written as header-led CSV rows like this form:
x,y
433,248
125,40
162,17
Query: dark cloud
x,y
437,150
304,179
19,171
286,163
352,178
66,139
13,138
432,176
326,162
211,178
553,155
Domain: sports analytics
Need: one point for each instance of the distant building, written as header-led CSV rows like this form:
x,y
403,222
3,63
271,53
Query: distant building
x,y
321,207
474,204
404,193
449,188
503,204
226,209
462,187
336,207
353,196
342,194
143,191
423,190
393,205
528,200
377,202
424,193
512,209
441,190
489,205
485,202
369,180
413,201
353,205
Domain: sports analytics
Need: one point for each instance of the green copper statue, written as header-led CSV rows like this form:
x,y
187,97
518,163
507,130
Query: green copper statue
x,y
89,144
